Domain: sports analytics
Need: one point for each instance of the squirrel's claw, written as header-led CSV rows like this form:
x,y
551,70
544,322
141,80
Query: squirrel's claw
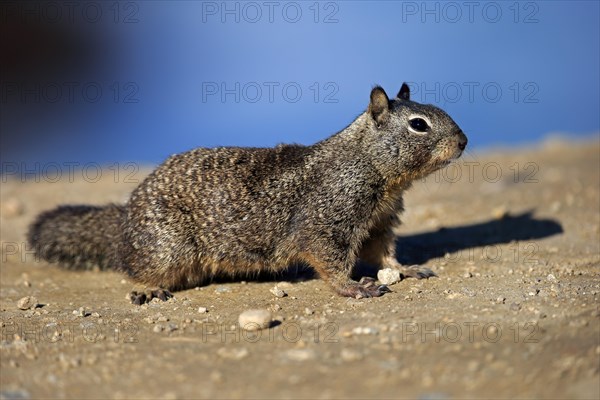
x,y
139,298
384,289
416,271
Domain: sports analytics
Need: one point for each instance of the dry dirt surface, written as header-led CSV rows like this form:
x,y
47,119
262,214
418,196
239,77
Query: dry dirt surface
x,y
513,236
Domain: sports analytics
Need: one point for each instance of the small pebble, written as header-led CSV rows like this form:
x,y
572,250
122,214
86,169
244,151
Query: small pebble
x,y
252,320
277,292
388,276
28,302
308,311
202,310
551,278
80,312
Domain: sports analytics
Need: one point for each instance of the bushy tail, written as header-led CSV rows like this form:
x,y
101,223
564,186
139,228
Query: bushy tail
x,y
79,237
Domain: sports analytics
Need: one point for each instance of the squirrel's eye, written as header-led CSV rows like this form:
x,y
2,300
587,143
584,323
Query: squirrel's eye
x,y
419,124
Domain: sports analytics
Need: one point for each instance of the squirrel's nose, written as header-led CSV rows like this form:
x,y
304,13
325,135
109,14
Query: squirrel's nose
x,y
462,141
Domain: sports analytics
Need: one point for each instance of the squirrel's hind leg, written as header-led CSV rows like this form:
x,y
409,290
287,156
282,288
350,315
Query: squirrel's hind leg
x,y
139,298
168,261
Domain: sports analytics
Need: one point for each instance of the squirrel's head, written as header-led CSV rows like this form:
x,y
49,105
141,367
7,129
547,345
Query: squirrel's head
x,y
411,139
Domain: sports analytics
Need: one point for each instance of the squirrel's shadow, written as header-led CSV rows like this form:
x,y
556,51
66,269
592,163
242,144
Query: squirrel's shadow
x,y
422,247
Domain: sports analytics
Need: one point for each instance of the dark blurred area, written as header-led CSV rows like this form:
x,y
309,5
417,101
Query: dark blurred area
x,y
51,57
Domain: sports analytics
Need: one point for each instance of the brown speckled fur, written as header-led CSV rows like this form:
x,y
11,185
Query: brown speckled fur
x,y
237,211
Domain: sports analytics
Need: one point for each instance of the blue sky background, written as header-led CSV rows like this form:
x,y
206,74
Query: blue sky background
x,y
509,73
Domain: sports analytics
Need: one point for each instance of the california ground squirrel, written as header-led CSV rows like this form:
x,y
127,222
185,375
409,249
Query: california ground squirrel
x,y
232,211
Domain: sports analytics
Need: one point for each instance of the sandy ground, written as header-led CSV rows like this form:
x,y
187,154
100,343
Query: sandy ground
x,y
514,237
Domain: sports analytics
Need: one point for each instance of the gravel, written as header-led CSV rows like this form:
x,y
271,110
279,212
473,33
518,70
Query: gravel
x,y
27,303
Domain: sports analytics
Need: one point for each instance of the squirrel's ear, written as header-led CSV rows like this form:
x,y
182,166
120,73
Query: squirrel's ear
x,y
379,106
404,92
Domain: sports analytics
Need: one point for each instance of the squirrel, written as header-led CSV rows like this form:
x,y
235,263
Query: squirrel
x,y
232,211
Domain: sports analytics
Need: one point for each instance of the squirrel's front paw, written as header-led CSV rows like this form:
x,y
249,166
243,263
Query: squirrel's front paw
x,y
365,288
416,271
